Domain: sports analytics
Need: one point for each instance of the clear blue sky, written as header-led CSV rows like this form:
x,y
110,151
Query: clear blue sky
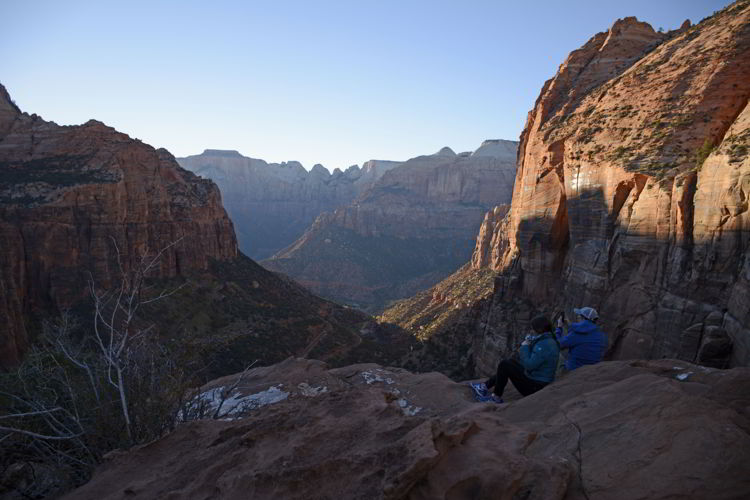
x,y
325,82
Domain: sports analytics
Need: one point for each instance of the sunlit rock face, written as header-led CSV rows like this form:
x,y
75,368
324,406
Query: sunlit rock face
x,y
630,196
413,227
619,205
70,195
271,204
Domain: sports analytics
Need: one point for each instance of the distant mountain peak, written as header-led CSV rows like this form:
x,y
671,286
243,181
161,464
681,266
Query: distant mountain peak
x,y
446,151
319,170
225,153
499,148
6,103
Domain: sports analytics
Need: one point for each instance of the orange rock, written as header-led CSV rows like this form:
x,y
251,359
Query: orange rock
x,y
68,194
608,209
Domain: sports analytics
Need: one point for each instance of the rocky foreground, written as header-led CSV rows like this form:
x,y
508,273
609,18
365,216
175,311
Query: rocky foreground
x,y
617,430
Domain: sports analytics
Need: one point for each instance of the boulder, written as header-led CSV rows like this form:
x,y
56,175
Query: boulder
x,y
617,430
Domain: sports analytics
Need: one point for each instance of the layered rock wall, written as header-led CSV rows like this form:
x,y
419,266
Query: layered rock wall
x,y
631,191
413,227
72,197
272,204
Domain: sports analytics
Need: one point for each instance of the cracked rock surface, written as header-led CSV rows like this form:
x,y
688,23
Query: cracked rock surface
x,y
617,430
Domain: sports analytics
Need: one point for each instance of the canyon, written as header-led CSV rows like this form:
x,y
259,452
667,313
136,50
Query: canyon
x,y
627,192
410,229
271,204
630,197
82,205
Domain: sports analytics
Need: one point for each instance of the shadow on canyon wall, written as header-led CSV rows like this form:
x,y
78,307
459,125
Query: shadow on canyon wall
x,y
662,289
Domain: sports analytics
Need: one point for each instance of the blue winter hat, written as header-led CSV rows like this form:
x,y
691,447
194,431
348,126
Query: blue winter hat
x,y
587,312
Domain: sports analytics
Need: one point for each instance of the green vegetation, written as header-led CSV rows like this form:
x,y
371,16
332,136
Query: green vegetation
x,y
738,146
626,111
703,152
619,153
53,172
423,317
587,134
683,121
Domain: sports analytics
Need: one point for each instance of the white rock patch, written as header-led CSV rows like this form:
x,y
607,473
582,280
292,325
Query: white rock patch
x,y
206,404
308,391
377,376
408,409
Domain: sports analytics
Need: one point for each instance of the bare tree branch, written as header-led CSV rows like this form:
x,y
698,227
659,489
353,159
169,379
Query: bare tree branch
x,y
39,436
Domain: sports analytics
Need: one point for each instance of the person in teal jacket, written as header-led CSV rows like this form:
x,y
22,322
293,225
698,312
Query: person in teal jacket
x,y
534,369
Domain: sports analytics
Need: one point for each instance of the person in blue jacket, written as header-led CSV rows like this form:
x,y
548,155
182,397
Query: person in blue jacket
x,y
533,370
586,342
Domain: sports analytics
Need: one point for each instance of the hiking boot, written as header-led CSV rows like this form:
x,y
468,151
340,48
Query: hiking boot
x,y
491,398
480,390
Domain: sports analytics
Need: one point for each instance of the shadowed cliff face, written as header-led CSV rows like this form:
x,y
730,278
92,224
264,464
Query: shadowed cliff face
x,y
71,197
609,209
271,205
68,195
631,197
416,225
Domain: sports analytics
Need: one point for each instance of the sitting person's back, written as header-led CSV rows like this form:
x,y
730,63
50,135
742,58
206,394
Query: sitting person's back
x,y
586,342
539,357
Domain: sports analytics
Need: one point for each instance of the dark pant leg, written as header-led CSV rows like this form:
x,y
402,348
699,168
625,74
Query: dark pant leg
x,y
511,369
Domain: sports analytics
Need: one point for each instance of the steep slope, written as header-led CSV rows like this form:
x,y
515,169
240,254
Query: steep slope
x,y
67,194
630,197
416,225
72,197
271,205
662,429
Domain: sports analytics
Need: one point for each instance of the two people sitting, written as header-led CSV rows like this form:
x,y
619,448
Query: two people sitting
x,y
536,364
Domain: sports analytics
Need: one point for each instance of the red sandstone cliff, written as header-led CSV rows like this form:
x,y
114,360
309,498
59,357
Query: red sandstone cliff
x,y
66,193
613,204
630,196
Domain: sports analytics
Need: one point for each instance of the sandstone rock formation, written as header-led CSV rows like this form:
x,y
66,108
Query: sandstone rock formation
x,y
297,430
71,197
630,197
69,194
271,205
416,225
